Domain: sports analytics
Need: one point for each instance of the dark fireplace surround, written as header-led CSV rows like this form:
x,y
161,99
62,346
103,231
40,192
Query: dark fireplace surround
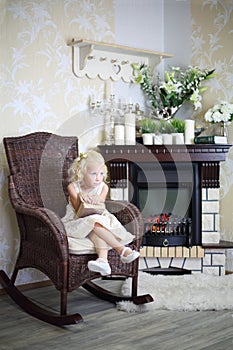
x,y
168,195
189,168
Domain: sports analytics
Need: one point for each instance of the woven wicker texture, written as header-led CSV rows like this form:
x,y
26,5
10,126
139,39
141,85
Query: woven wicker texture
x,y
38,180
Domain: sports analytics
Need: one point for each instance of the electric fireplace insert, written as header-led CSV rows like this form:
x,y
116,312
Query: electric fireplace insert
x,y
168,196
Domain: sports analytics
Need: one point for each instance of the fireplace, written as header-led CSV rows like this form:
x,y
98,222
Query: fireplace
x,y
185,174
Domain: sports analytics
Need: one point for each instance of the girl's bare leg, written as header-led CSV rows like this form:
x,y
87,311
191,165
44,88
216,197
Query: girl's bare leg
x,y
107,239
102,239
100,245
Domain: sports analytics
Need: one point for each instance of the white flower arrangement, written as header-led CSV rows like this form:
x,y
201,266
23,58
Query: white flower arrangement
x,y
221,112
178,86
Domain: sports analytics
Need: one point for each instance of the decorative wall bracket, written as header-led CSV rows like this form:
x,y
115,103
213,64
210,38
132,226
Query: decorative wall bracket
x,y
92,59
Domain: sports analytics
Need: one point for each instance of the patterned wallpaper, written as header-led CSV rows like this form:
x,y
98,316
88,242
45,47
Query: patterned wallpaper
x,y
212,38
38,88
39,91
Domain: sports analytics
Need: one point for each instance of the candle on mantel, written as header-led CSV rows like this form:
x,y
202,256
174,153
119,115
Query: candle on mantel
x,y
119,134
189,131
130,132
109,89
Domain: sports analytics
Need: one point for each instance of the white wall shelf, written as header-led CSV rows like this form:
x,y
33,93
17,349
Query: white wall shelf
x,y
109,61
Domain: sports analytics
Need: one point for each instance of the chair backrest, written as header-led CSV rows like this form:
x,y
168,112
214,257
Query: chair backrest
x,y
42,159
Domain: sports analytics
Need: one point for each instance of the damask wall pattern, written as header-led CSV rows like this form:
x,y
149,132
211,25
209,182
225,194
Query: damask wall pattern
x,y
212,38
38,89
212,33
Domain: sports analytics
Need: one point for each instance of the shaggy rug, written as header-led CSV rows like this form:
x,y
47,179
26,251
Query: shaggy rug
x,y
197,292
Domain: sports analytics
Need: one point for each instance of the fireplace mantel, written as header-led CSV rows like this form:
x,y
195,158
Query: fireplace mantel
x,y
208,156
166,153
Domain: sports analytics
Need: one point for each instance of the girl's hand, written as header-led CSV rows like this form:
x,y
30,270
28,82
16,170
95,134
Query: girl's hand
x,y
96,199
85,197
91,199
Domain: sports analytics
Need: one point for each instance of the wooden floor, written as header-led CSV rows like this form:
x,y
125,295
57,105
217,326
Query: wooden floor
x,y
106,328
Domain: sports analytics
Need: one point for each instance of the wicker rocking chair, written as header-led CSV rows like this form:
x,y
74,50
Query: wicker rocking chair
x,y
38,181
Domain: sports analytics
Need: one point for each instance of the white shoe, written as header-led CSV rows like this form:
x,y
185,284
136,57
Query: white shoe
x,y
100,265
129,258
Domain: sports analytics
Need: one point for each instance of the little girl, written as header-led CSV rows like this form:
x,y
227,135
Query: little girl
x,y
97,232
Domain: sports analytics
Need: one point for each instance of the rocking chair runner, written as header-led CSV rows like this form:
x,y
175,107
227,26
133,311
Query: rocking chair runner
x,y
38,182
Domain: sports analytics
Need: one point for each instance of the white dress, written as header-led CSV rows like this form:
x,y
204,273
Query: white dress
x,y
78,228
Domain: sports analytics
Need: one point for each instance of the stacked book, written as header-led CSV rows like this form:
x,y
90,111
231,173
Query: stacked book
x,y
210,139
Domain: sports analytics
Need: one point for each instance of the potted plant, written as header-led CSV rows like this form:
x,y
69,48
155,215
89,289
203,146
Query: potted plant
x,y
148,126
178,127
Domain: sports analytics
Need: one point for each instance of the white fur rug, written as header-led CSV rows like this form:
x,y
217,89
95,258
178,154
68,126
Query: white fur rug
x,y
197,292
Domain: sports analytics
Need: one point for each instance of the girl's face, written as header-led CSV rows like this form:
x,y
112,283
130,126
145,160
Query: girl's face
x,y
94,175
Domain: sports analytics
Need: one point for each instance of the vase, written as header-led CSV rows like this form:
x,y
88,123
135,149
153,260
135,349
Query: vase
x,y
178,138
230,132
148,138
165,113
223,128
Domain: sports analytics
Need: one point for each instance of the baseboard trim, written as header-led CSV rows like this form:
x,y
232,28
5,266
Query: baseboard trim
x,y
29,286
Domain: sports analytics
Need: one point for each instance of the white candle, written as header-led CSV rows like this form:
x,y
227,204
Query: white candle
x,y
189,131
130,135
119,134
109,89
130,119
130,129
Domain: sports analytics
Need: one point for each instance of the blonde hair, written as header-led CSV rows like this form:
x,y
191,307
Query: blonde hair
x,y
78,169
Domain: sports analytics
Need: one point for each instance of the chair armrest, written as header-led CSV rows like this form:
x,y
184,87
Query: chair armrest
x,y
129,216
38,225
45,229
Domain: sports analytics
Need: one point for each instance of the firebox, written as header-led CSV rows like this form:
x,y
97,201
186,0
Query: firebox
x,y
168,196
